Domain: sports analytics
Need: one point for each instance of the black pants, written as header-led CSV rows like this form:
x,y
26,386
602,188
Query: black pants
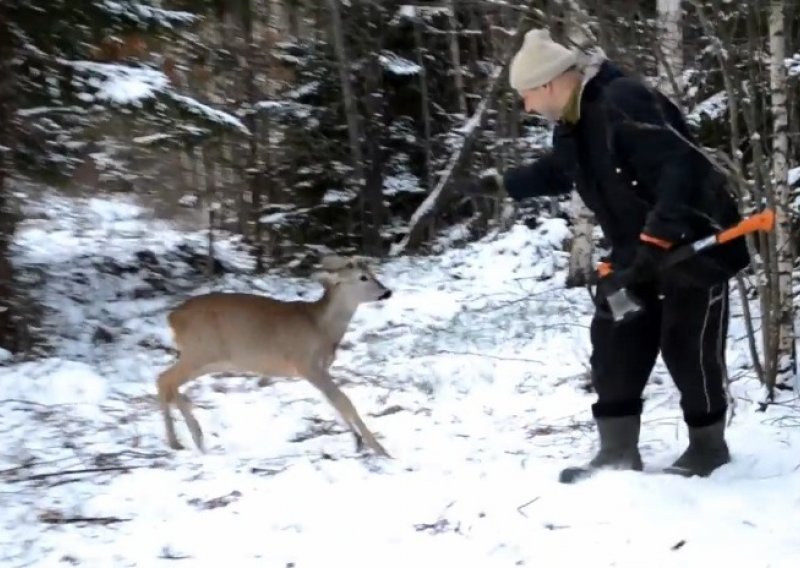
x,y
689,326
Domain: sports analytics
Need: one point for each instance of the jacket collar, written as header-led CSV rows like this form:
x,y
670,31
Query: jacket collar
x,y
596,71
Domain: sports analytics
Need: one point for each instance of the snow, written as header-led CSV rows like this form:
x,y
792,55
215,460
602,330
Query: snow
x,y
145,14
418,11
712,108
338,196
214,115
794,176
402,182
398,65
471,376
152,138
298,109
121,84
309,88
407,11
124,84
793,65
37,111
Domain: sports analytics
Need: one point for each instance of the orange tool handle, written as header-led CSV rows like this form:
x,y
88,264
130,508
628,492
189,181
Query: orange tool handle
x,y
763,221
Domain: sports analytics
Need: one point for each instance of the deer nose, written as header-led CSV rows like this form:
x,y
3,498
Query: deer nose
x,y
386,295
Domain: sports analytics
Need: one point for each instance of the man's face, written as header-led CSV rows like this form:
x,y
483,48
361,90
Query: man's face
x,y
543,101
550,99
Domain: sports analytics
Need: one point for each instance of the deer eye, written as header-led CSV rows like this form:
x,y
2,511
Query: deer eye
x,y
363,278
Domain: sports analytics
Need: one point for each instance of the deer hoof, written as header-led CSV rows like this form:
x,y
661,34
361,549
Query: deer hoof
x,y
381,451
376,447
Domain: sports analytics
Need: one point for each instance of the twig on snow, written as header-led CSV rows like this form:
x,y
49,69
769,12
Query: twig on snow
x,y
497,357
56,518
21,401
521,508
40,476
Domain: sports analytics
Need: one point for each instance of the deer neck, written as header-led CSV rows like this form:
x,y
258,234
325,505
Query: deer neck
x,y
334,314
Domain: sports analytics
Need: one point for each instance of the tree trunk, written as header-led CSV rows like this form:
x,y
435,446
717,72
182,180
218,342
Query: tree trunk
x,y
763,192
188,182
426,109
580,266
670,56
474,25
254,169
212,199
348,94
455,58
292,8
514,129
8,331
373,187
780,171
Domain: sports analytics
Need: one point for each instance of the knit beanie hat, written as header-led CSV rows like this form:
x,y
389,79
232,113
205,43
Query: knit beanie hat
x,y
539,61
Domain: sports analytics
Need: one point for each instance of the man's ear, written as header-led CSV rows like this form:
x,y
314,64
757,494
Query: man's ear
x,y
327,279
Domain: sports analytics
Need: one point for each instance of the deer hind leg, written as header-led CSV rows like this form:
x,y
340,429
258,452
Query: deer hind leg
x,y
168,383
344,406
185,407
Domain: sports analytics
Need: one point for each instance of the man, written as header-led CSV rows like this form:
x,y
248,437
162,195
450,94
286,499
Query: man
x,y
628,151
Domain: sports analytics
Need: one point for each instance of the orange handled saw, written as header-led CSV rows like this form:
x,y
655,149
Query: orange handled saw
x,y
623,305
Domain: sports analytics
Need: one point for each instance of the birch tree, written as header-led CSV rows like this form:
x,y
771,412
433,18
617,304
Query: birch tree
x,y
782,196
580,266
670,56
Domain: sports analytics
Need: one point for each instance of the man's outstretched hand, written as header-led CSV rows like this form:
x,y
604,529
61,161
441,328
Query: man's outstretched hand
x,y
490,185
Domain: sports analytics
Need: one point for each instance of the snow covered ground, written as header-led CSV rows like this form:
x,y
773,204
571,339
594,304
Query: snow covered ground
x,y
471,375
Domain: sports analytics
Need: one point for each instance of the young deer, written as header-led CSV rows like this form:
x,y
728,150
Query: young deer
x,y
222,332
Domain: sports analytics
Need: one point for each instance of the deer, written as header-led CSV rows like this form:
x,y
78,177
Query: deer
x,y
222,332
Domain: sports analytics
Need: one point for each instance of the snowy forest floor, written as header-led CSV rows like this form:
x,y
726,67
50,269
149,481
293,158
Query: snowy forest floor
x,y
472,375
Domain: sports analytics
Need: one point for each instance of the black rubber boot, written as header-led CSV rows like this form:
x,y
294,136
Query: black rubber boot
x,y
706,452
619,448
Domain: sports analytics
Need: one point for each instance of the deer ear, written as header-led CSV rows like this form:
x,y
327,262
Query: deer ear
x,y
327,279
360,261
333,263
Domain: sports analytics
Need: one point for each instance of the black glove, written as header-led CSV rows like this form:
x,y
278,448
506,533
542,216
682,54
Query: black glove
x,y
488,185
672,227
646,264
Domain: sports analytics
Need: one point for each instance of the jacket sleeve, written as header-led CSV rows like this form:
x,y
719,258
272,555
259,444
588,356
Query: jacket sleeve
x,y
541,178
643,132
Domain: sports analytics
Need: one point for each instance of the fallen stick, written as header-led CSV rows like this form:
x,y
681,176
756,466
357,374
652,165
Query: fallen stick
x,y
40,476
55,518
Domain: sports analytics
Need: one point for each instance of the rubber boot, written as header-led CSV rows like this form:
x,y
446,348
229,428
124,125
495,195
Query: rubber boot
x,y
706,452
619,448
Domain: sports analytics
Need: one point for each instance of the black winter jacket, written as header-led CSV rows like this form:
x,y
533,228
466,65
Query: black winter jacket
x,y
631,158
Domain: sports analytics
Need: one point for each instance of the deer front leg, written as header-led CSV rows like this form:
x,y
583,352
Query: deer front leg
x,y
344,406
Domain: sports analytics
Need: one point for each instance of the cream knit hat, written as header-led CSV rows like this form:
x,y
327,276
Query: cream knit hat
x,y
539,61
